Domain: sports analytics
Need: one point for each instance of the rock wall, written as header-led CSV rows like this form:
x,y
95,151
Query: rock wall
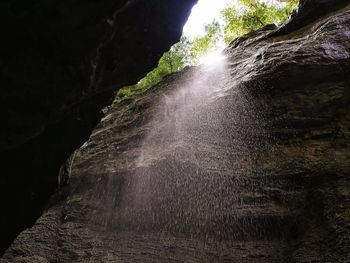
x,y
245,161
61,63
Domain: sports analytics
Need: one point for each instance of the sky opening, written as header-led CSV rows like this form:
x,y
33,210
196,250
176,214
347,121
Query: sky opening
x,y
205,11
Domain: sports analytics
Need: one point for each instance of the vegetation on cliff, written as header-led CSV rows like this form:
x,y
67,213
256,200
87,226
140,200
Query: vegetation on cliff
x,y
237,19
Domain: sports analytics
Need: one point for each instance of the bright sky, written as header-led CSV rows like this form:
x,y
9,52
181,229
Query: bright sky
x,y
204,12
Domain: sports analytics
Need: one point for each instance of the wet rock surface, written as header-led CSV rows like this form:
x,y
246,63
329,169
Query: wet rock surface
x,y
61,63
247,160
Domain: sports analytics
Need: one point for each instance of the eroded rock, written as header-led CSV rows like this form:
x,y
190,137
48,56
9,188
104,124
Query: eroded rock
x,y
244,161
61,63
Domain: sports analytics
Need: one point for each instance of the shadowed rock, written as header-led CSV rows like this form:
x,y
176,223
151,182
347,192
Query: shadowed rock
x,y
243,161
61,63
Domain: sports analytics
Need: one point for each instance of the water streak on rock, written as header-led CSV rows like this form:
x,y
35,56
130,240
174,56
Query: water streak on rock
x,y
247,162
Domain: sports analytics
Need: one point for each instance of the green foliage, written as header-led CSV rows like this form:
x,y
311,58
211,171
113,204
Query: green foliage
x,y
201,45
172,61
252,15
125,94
238,19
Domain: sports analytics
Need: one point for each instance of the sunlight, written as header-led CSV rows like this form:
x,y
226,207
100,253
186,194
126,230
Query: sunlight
x,y
206,33
212,58
203,13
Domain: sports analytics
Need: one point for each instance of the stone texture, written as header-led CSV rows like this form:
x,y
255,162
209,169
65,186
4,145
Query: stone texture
x,y
258,170
61,63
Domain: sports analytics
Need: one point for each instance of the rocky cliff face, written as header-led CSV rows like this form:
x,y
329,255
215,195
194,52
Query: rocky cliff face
x,y
246,160
61,63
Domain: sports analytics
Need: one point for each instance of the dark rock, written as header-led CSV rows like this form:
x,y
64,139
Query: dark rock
x,y
308,12
61,63
247,161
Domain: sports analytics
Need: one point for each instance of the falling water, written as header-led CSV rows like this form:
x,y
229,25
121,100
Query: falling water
x,y
193,168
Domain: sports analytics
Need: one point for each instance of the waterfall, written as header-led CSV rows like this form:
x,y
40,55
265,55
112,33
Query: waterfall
x,y
194,164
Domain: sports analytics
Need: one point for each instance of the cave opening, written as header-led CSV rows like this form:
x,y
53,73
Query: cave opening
x,y
248,151
191,50
49,142
210,28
